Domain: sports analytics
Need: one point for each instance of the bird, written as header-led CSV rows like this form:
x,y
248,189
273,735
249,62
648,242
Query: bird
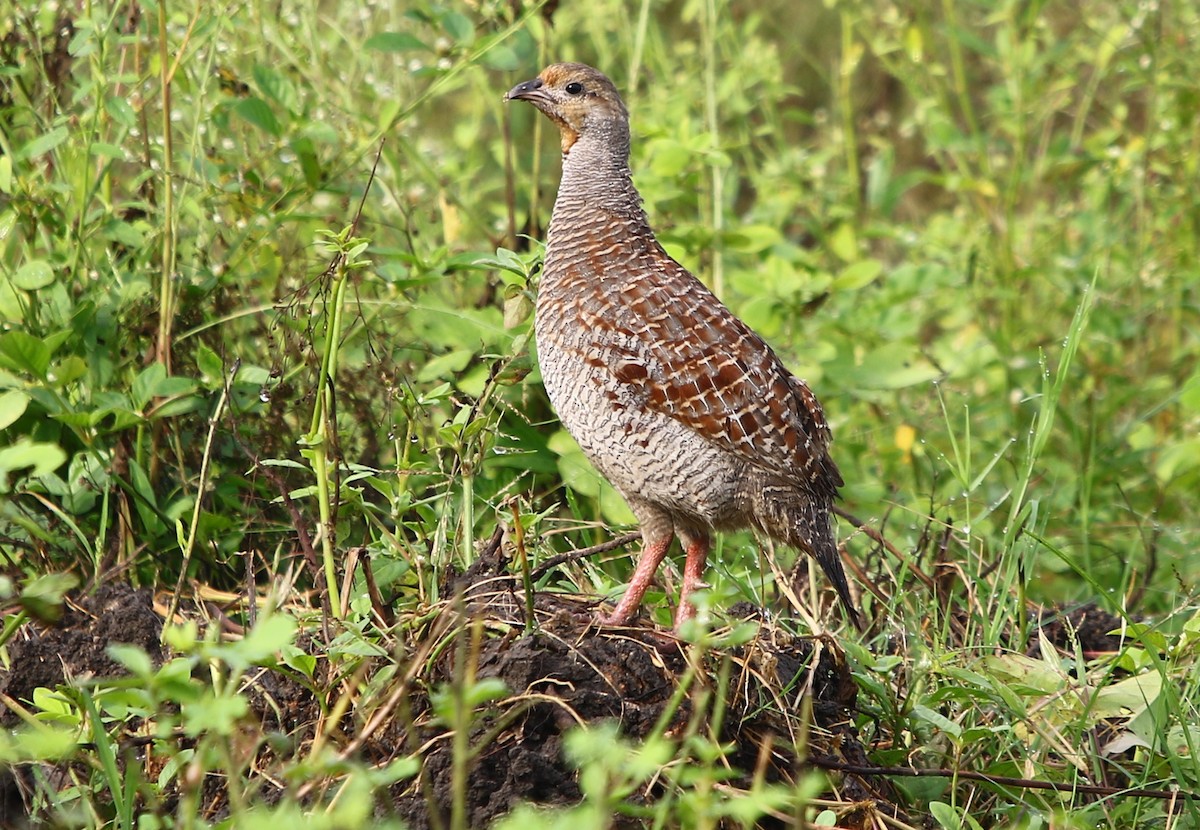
x,y
679,404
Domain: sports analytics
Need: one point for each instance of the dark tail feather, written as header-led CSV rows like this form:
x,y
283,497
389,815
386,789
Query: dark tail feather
x,y
805,522
826,554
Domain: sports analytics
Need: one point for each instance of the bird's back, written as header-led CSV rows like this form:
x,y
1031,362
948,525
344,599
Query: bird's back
x,y
616,312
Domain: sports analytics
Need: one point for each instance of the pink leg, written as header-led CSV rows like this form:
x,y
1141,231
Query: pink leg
x,y
652,556
693,577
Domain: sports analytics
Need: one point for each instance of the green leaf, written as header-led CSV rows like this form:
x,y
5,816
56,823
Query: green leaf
x,y
38,743
182,637
1142,437
448,364
502,57
219,715
53,707
1129,696
889,368
394,42
43,598
43,143
209,364
125,234
120,110
33,275
277,87
753,238
505,260
458,26
484,691
12,407
857,275
269,636
301,661
948,818
517,309
6,177
844,242
135,659
938,720
145,383
147,502
669,158
1178,460
104,150
257,112
43,457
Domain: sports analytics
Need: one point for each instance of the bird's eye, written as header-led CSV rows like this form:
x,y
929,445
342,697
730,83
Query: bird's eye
x,y
574,88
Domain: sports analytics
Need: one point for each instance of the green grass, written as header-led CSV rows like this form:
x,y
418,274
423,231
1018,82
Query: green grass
x,y
972,228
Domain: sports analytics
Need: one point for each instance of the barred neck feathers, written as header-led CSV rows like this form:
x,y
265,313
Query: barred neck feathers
x,y
596,193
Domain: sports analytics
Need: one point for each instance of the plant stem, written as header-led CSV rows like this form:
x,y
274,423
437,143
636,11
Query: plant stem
x,y
714,132
321,430
166,298
846,93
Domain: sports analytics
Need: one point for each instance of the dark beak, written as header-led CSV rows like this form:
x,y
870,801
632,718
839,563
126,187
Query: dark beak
x,y
526,91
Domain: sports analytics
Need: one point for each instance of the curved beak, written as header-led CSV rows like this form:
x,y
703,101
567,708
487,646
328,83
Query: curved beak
x,y
527,91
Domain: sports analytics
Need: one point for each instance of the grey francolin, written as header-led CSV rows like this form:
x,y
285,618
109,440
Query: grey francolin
x,y
677,402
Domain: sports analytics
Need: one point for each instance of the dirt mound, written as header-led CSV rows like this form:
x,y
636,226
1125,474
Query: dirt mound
x,y
562,673
75,648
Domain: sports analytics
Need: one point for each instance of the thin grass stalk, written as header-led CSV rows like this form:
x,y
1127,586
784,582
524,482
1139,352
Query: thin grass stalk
x,y
639,45
1044,420
849,62
189,544
958,73
467,537
467,659
523,559
713,125
107,761
166,297
323,422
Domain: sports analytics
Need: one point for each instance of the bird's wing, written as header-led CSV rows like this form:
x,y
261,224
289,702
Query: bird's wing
x,y
691,359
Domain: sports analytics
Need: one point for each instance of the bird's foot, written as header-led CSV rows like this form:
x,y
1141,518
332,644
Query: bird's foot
x,y
616,618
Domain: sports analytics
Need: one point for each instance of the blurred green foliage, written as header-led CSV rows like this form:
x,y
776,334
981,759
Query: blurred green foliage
x,y
909,204
972,227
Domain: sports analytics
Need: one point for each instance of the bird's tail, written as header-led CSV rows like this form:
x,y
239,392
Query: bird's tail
x,y
804,521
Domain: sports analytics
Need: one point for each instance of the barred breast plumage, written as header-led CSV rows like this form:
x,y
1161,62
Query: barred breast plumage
x,y
678,403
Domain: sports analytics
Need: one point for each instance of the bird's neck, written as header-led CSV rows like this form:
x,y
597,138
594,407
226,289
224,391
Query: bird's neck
x,y
597,192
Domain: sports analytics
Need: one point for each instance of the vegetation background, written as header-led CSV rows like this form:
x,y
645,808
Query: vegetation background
x,y
971,226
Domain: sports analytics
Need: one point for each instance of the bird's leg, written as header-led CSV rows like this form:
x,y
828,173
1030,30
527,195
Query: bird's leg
x,y
653,553
693,575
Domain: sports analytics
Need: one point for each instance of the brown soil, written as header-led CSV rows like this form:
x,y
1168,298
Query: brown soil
x,y
75,648
1088,625
564,673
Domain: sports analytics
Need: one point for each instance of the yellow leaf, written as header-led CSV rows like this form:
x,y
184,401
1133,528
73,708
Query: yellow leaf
x,y
906,436
914,44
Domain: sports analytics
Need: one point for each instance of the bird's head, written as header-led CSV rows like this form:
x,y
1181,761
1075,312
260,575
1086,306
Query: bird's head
x,y
580,100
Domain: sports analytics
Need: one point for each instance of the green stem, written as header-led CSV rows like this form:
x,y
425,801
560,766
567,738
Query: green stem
x,y
323,421
166,299
714,131
846,94
468,515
